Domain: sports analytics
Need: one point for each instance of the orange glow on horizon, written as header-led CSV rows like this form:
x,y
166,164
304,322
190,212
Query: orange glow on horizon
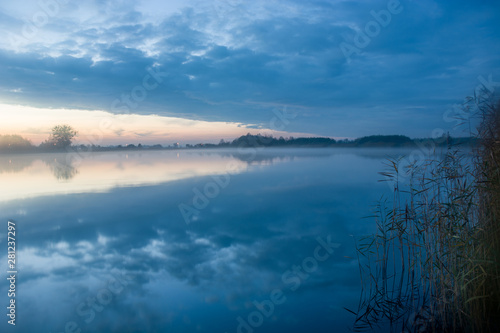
x,y
104,128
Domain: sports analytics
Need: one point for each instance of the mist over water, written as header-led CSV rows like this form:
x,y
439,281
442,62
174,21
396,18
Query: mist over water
x,y
103,245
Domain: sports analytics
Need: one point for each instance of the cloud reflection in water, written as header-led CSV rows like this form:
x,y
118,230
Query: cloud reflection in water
x,y
199,277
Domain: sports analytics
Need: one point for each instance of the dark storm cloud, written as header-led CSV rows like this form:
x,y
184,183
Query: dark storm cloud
x,y
236,61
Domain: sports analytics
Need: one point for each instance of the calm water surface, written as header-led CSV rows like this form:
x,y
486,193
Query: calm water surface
x,y
188,241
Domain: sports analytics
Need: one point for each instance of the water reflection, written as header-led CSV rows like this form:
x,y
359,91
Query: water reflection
x,y
15,163
63,169
48,174
61,165
197,277
27,175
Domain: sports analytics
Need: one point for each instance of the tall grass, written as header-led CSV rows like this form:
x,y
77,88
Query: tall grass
x,y
433,265
488,175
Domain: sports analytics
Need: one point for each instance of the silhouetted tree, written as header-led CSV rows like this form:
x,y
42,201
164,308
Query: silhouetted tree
x,y
61,137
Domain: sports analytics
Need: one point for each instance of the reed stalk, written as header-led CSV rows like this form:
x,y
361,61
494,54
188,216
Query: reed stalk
x,y
433,265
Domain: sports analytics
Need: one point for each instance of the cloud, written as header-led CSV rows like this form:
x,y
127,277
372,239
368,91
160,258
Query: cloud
x,y
119,131
143,134
229,61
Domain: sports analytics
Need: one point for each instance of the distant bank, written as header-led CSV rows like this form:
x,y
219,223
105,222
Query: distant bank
x,y
17,144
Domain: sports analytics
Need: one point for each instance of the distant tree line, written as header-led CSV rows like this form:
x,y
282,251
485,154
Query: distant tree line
x,y
62,136
13,143
259,140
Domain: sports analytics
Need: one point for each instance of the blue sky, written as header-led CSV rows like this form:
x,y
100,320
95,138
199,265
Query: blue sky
x,y
238,62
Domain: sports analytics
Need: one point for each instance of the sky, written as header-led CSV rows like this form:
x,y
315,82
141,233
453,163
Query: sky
x,y
150,71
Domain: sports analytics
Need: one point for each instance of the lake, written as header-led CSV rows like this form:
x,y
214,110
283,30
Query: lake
x,y
206,240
